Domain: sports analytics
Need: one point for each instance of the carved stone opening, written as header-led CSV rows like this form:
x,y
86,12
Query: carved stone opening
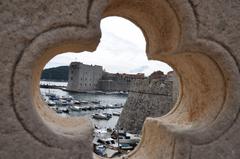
x,y
208,70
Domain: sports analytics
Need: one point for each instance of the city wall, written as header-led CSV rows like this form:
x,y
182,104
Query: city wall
x,y
110,85
147,98
83,78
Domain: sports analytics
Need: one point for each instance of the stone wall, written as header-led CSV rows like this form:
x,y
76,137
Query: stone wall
x,y
83,78
147,98
172,76
110,85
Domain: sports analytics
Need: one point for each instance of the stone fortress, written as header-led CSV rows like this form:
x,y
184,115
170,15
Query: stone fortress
x,y
151,96
83,78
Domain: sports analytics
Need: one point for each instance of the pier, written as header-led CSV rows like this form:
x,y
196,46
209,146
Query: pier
x,y
52,86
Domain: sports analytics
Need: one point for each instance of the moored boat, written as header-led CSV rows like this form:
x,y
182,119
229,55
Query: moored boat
x,y
75,108
116,113
95,102
100,116
51,103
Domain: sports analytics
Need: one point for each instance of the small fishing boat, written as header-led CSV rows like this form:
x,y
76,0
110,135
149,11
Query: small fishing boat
x,y
76,102
95,102
49,94
51,103
83,102
53,97
109,106
108,115
100,116
101,107
75,108
116,113
119,105
67,98
126,146
62,110
85,108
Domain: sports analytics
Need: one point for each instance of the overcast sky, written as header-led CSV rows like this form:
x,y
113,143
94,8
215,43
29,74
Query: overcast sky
x,y
121,50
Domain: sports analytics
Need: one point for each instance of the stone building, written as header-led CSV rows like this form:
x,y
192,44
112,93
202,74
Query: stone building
x,y
83,77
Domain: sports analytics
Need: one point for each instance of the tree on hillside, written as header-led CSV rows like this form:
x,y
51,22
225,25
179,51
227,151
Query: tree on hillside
x,y
55,74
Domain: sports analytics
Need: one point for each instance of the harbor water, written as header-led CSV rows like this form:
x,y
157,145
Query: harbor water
x,y
105,99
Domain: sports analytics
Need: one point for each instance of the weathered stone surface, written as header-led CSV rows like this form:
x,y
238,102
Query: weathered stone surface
x,y
147,98
199,39
27,30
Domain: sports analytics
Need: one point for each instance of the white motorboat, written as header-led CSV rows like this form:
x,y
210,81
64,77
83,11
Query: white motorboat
x,y
75,108
51,103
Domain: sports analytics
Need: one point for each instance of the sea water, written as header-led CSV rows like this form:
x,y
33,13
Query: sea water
x,y
103,98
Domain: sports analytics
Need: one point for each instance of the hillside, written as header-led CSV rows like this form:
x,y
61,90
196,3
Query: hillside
x,y
55,74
